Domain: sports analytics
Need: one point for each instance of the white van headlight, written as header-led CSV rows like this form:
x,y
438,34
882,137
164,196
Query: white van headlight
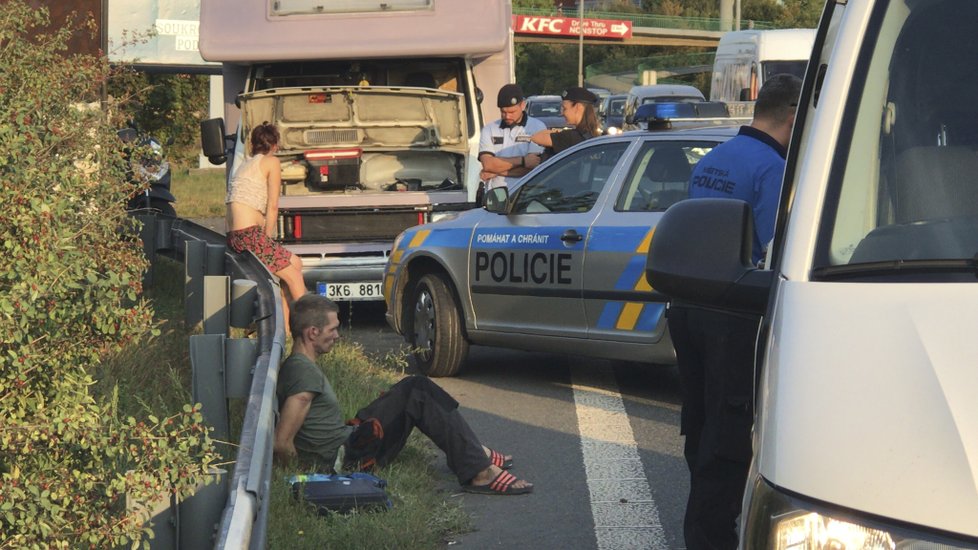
x,y
782,522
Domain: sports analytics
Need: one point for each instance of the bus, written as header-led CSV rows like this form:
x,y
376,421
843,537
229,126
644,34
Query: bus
x,y
379,106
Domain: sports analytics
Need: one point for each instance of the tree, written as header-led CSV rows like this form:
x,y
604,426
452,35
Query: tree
x,y
168,106
70,275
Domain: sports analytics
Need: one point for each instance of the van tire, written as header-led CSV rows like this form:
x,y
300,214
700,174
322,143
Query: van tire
x,y
438,345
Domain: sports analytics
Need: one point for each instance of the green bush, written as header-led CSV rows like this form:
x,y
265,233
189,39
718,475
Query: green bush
x,y
73,473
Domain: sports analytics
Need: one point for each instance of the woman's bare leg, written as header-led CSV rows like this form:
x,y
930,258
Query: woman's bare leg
x,y
295,285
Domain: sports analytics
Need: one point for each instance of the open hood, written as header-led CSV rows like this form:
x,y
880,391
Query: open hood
x,y
371,119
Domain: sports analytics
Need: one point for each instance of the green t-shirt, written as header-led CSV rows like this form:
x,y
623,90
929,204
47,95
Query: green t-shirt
x,y
324,429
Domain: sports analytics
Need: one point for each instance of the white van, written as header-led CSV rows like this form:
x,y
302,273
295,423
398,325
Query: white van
x,y
866,427
745,59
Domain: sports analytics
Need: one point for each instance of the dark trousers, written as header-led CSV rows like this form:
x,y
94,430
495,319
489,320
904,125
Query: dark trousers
x,y
715,352
416,401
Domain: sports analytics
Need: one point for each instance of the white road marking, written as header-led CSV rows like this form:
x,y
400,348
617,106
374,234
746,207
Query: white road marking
x,y
625,515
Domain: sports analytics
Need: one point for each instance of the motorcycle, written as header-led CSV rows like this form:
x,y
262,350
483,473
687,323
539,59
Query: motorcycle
x,y
147,165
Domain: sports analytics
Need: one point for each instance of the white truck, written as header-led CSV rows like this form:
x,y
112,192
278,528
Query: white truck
x,y
745,59
866,424
379,105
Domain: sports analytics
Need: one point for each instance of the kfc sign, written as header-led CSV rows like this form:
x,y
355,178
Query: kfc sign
x,y
571,26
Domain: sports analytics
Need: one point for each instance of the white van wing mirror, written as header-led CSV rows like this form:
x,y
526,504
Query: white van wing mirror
x,y
700,253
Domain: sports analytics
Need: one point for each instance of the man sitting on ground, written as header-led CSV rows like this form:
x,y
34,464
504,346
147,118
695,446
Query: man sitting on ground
x,y
311,424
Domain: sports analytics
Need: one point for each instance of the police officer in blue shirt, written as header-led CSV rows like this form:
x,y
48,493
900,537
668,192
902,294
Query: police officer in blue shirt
x,y
715,350
505,150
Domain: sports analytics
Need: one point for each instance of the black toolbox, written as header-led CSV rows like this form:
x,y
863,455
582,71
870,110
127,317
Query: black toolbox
x,y
341,493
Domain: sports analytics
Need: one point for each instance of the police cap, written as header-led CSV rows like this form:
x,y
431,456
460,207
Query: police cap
x,y
509,95
579,95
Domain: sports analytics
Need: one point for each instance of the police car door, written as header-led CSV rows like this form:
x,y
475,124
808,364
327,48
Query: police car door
x,y
525,266
618,301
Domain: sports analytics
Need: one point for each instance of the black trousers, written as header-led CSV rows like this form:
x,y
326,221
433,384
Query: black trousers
x,y
715,352
417,402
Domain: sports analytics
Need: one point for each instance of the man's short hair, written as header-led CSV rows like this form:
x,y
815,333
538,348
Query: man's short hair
x,y
310,310
778,97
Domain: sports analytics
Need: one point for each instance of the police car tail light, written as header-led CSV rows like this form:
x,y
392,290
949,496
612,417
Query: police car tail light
x,y
782,522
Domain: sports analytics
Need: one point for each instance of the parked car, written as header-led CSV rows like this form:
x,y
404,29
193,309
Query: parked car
x,y
546,108
554,264
600,92
611,111
658,93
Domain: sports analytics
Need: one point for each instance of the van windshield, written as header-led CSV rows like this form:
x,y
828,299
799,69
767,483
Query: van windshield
x,y
906,196
795,67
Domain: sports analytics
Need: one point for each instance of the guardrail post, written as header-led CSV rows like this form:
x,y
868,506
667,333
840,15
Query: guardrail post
x,y
217,295
240,355
164,235
164,522
207,367
193,287
215,259
244,302
147,233
200,513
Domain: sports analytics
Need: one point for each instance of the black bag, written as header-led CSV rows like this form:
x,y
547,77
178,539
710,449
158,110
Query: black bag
x,y
341,493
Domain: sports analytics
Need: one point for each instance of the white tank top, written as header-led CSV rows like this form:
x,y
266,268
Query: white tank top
x,y
249,186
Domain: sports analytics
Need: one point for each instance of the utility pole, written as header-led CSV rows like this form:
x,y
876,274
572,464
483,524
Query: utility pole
x,y
726,15
580,43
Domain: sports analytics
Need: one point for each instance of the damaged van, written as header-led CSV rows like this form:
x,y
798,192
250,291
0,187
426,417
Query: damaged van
x,y
379,109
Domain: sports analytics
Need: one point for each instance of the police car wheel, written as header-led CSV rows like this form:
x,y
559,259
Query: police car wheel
x,y
438,345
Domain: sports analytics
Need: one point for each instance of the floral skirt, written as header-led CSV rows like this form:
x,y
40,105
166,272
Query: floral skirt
x,y
254,238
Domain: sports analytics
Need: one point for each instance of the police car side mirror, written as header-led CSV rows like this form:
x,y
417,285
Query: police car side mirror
x,y
497,199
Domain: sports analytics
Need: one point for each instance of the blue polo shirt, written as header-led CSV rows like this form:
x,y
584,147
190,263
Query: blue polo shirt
x,y
509,141
749,167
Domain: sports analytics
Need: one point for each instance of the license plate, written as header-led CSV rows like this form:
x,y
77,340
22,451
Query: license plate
x,y
350,291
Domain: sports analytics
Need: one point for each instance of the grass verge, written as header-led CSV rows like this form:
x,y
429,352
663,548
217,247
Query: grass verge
x,y
154,377
423,515
199,192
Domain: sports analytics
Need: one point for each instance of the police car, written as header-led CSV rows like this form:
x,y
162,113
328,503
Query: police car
x,y
554,264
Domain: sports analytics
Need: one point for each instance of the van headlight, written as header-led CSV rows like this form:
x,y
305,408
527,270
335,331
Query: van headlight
x,y
782,522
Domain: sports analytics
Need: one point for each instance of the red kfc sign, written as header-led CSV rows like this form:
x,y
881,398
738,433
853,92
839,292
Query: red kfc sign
x,y
571,26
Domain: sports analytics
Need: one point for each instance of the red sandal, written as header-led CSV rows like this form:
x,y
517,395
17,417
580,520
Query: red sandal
x,y
501,485
500,460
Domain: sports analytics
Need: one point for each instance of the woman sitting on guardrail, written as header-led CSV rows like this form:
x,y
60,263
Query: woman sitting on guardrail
x,y
252,212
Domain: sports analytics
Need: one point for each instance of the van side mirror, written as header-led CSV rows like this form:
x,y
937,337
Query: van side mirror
x,y
497,199
478,95
701,253
745,94
212,140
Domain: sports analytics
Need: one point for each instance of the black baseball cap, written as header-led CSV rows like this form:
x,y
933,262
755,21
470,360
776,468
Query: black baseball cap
x,y
509,95
580,95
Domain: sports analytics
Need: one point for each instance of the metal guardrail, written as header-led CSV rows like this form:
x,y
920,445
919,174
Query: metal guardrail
x,y
243,519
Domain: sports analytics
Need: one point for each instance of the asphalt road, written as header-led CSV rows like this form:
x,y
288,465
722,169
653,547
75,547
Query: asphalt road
x,y
530,405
